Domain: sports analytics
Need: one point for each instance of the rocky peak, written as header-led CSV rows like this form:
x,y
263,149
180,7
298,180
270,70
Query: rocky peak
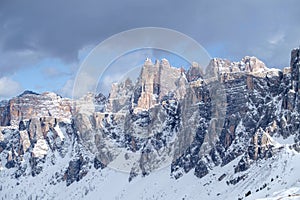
x,y
194,72
226,70
253,65
120,93
158,80
155,81
216,67
28,92
148,61
295,56
29,105
295,69
165,63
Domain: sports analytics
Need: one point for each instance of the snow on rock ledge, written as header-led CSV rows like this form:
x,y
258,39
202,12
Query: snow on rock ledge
x,y
40,149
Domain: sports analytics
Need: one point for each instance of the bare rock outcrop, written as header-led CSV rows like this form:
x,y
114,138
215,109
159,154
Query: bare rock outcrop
x,y
31,105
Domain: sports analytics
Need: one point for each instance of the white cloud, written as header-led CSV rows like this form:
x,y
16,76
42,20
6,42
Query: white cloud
x,y
84,52
9,88
276,38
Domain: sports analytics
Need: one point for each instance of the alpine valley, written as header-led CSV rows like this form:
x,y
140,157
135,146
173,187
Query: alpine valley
x,y
231,131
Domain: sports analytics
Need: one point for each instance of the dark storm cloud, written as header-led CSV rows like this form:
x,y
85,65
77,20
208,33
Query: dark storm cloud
x,y
33,30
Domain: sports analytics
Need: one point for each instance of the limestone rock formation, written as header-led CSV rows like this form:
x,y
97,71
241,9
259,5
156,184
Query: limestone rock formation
x,y
31,105
188,120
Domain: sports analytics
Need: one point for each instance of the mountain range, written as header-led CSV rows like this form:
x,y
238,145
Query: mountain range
x,y
231,131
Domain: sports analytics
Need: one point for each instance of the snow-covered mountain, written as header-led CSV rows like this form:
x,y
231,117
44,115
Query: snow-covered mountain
x,y
231,132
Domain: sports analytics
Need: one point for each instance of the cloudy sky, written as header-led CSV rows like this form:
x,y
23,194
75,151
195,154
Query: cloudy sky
x,y
42,43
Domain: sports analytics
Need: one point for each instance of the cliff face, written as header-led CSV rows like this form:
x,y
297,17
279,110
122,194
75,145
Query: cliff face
x,y
31,105
155,81
189,120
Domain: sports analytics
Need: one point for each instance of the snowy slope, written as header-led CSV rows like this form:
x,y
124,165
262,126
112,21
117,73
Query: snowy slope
x,y
279,176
